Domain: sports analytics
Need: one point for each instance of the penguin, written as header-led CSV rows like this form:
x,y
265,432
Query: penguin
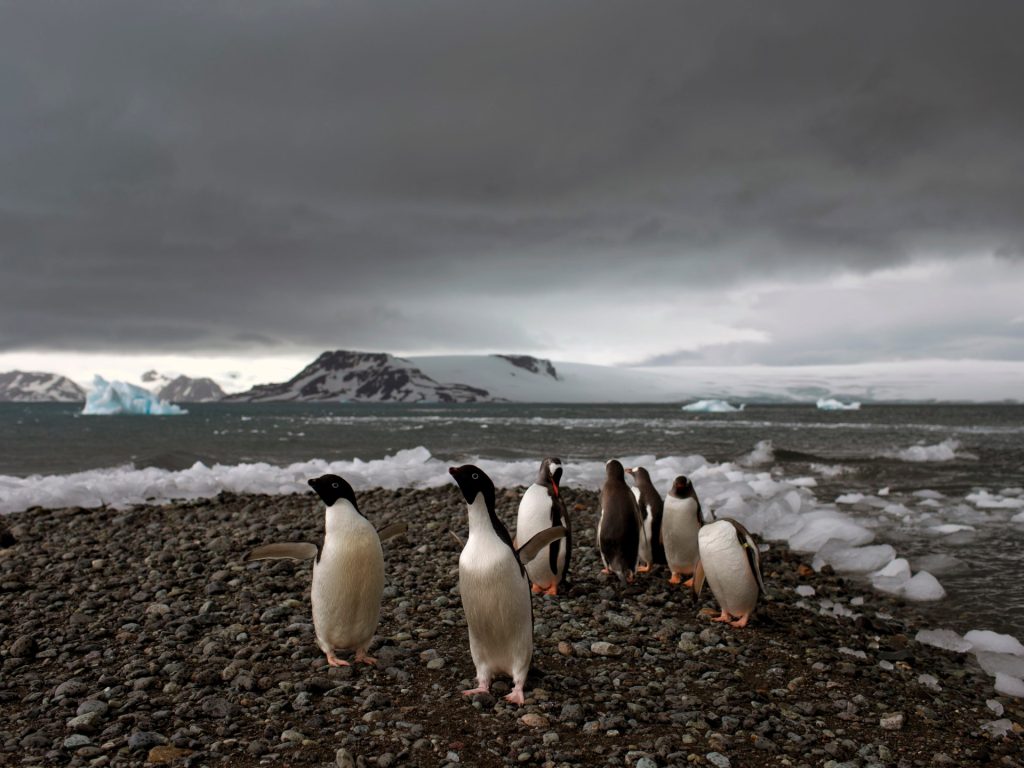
x,y
651,506
680,523
495,587
732,565
540,508
619,527
348,572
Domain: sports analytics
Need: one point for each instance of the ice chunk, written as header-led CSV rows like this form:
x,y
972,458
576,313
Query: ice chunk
x,y
846,559
943,638
893,578
985,500
996,706
1007,663
1002,727
119,397
763,453
823,525
713,406
987,640
938,564
805,590
923,587
850,498
928,493
1009,686
831,404
929,681
950,528
944,451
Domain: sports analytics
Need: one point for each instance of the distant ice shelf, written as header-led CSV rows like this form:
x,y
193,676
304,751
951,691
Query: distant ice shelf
x,y
831,404
713,406
109,398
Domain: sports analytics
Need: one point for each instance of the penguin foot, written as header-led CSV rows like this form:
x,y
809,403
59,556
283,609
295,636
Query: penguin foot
x,y
676,578
688,582
536,589
643,568
334,661
605,571
552,590
707,611
740,622
723,617
516,697
478,689
360,656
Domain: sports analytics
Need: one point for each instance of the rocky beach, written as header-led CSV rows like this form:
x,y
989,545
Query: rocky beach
x,y
138,636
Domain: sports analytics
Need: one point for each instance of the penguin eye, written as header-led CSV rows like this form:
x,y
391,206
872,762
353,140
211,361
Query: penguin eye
x,y
476,476
334,485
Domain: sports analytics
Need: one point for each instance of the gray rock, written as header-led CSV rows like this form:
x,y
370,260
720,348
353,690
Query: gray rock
x,y
77,740
343,758
891,722
145,740
718,760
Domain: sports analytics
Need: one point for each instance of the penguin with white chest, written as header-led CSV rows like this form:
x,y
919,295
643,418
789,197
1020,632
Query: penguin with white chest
x,y
541,508
619,527
730,561
651,505
348,572
680,523
494,587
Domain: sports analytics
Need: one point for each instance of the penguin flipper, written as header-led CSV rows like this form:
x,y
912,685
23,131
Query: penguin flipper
x,y
698,578
530,549
754,558
286,550
392,530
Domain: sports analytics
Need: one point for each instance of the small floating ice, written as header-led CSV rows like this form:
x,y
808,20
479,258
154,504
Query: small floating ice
x,y
831,404
946,639
987,640
119,397
944,451
844,559
713,406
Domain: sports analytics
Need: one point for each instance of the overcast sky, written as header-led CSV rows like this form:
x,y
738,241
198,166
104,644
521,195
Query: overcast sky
x,y
628,182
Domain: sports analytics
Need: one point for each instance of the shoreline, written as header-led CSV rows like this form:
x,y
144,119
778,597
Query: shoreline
x,y
128,631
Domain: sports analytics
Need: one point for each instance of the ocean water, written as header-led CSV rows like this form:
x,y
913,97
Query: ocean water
x,y
942,484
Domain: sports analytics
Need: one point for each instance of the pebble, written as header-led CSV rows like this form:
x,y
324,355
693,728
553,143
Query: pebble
x,y
891,722
718,760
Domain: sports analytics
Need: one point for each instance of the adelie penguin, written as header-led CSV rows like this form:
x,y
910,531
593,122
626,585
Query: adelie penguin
x,y
494,587
730,561
681,521
348,572
541,508
619,528
652,552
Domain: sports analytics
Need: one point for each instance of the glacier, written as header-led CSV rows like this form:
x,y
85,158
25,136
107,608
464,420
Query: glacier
x,y
108,398
831,404
713,406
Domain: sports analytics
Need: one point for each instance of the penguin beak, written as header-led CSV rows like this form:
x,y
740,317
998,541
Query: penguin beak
x,y
312,483
554,488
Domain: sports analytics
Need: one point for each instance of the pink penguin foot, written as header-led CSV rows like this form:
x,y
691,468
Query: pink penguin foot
x,y
645,568
723,617
605,571
676,578
334,661
361,656
740,622
516,697
552,590
478,689
688,582
536,589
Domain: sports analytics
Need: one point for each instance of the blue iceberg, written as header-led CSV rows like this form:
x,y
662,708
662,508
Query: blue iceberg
x,y
108,398
831,404
712,406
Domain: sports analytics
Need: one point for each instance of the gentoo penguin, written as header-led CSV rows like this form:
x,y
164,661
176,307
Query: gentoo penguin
x,y
732,565
542,508
680,523
651,505
619,528
494,587
348,572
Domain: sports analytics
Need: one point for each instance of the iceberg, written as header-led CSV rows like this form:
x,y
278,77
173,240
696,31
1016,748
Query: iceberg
x,y
831,404
713,406
108,398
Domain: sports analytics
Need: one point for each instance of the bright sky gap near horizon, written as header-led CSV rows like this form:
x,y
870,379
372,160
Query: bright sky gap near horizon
x,y
234,188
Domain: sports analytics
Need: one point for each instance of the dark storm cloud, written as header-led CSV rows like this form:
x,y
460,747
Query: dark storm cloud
x,y
182,176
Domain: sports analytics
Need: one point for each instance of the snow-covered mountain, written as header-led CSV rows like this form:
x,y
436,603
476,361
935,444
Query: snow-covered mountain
x,y
378,377
182,389
363,377
36,387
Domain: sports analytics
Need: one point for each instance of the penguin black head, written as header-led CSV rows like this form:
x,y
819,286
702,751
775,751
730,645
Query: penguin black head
x,y
639,474
473,481
680,487
550,473
614,471
330,488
